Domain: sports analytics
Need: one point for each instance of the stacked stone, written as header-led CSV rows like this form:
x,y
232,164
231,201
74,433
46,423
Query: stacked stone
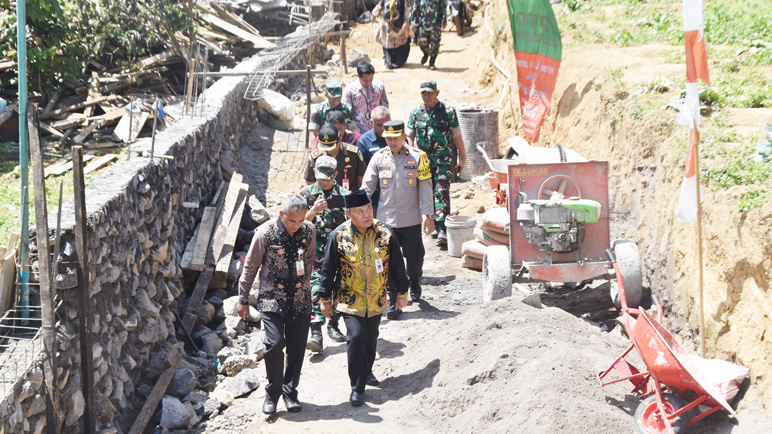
x,y
137,230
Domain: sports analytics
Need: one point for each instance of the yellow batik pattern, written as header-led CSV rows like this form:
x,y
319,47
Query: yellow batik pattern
x,y
362,288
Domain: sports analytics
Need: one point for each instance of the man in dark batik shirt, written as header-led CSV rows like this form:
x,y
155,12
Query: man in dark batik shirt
x,y
283,251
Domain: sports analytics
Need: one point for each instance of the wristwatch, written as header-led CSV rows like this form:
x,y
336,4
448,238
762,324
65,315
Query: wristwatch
x,y
243,303
431,216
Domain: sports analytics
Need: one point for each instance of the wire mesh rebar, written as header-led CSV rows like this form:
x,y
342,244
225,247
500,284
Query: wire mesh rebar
x,y
20,345
284,51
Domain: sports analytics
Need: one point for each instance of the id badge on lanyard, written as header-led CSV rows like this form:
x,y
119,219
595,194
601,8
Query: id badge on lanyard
x,y
378,263
344,182
300,266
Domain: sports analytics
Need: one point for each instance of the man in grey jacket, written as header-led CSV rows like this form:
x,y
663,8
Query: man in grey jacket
x,y
404,177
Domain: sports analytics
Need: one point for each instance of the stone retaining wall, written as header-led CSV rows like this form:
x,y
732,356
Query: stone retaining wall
x,y
137,231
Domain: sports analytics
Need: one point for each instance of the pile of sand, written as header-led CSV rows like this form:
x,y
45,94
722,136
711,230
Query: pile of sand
x,y
508,367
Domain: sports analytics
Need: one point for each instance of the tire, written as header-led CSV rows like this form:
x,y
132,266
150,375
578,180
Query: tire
x,y
648,421
497,273
459,25
629,260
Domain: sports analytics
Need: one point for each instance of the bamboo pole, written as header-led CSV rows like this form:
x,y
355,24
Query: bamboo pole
x,y
699,237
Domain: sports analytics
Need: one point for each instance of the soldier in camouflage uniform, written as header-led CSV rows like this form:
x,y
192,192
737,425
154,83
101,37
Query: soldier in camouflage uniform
x,y
433,128
334,92
427,21
325,210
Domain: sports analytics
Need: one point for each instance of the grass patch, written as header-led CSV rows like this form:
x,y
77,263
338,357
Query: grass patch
x,y
10,200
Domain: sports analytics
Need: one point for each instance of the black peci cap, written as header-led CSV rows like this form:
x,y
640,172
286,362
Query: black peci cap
x,y
356,199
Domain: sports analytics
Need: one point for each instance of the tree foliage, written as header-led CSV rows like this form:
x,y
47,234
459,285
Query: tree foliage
x,y
64,35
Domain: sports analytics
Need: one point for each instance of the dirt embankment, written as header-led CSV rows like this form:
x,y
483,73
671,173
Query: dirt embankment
x,y
591,112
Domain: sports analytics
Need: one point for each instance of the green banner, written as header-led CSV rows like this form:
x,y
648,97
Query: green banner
x,y
534,28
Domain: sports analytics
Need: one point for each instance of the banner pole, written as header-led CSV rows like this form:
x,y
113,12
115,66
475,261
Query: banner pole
x,y
699,236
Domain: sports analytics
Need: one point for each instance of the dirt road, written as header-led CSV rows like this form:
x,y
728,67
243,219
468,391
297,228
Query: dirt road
x,y
451,363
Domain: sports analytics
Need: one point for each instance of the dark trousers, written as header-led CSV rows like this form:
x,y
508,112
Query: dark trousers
x,y
396,57
280,332
413,250
361,338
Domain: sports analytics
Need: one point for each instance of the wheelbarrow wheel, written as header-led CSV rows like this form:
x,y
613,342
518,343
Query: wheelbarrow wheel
x,y
629,261
497,273
649,420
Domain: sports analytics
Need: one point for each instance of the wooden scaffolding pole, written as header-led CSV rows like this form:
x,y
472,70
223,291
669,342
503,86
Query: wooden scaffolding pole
x,y
84,300
46,283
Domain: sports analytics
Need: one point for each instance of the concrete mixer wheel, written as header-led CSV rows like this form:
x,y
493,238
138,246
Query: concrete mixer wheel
x,y
629,260
497,273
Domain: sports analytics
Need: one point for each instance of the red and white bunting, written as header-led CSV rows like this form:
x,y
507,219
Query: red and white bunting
x,y
696,68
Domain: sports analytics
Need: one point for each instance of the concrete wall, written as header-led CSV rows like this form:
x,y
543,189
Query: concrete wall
x,y
137,230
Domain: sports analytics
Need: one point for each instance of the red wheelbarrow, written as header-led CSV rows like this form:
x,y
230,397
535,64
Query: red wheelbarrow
x,y
674,391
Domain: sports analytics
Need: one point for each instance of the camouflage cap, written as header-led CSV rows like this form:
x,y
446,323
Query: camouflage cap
x,y
325,167
334,89
429,86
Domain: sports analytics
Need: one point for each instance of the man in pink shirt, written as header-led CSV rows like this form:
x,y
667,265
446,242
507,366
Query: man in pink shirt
x,y
363,95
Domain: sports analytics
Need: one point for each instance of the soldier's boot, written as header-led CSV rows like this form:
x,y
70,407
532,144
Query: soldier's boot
x,y
314,342
442,233
424,58
334,332
431,62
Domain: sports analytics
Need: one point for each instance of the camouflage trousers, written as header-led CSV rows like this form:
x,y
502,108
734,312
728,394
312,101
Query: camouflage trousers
x,y
441,173
316,301
429,41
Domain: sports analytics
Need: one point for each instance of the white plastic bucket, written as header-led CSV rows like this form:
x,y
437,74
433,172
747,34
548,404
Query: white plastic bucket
x,y
460,229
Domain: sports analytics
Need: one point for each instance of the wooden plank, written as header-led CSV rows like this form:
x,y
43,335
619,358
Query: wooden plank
x,y
83,296
79,106
83,135
66,167
112,115
206,32
158,391
168,56
66,124
48,317
99,163
257,41
122,131
233,18
93,93
100,145
56,165
50,130
220,276
187,255
52,102
8,273
213,253
208,219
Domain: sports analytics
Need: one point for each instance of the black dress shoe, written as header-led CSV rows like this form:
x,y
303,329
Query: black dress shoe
x,y
415,293
394,314
371,380
293,406
269,405
356,399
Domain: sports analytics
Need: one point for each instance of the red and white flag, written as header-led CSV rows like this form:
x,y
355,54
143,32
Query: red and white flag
x,y
696,68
